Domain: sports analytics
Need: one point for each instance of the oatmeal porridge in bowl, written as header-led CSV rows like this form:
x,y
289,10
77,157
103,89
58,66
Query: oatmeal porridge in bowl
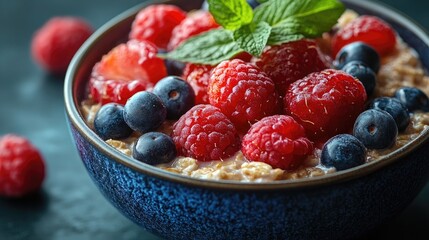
x,y
231,139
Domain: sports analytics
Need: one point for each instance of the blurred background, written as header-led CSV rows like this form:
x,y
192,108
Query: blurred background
x,y
31,104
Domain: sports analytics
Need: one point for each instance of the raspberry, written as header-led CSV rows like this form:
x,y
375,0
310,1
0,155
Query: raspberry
x,y
198,77
290,61
55,43
128,68
368,29
206,134
156,23
326,103
278,141
194,24
243,92
22,169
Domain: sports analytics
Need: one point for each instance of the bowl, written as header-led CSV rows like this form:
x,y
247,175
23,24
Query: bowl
x,y
341,205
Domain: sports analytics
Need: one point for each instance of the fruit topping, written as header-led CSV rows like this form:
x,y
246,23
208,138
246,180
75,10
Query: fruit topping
x,y
413,98
326,103
127,69
242,92
198,77
277,140
343,151
363,73
109,122
206,134
368,29
291,61
358,51
144,112
155,23
195,23
154,148
56,42
376,129
22,168
395,108
176,94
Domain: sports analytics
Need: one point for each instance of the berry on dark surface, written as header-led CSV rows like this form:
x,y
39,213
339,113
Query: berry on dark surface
x,y
368,29
358,51
109,122
343,151
206,134
243,92
395,108
56,42
176,94
144,112
155,23
22,168
154,148
376,129
325,103
291,61
413,98
277,140
363,73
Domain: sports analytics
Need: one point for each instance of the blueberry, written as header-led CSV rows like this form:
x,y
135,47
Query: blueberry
x,y
176,94
395,108
362,72
358,51
413,99
109,122
343,151
144,112
154,148
376,129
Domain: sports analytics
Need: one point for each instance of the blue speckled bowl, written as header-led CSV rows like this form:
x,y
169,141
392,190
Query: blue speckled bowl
x,y
337,206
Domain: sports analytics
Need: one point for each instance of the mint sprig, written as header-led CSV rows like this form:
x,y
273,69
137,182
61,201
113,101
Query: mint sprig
x,y
231,14
273,22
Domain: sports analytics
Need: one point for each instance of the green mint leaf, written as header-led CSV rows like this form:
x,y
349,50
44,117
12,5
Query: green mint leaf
x,y
210,47
292,20
262,1
252,38
231,14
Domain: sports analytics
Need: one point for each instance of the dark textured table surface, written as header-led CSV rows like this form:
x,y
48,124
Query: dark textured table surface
x,y
31,104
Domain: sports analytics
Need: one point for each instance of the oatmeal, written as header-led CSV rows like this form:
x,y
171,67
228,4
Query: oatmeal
x,y
400,68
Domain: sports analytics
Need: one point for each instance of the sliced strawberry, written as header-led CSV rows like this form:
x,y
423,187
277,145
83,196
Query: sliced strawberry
x,y
128,68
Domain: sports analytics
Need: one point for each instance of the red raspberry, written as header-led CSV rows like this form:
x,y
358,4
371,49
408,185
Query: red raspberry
x,y
278,141
291,61
206,134
326,103
198,77
369,29
243,92
128,68
22,169
155,23
194,24
55,43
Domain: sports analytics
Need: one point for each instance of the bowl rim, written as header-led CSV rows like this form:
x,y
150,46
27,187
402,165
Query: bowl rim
x,y
79,124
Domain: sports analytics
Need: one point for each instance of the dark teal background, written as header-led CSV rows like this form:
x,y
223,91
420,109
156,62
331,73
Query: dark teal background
x,y
31,104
